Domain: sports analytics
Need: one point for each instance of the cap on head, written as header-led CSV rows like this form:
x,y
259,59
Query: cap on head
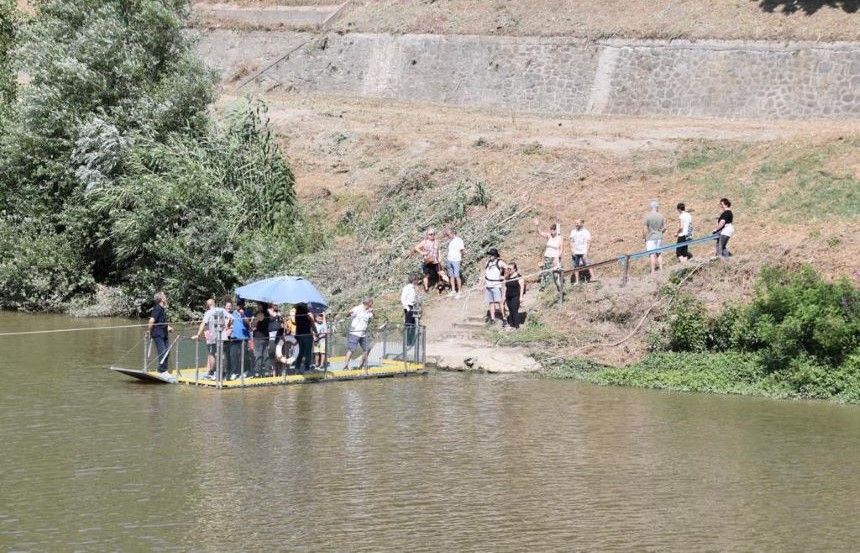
x,y
493,252
655,204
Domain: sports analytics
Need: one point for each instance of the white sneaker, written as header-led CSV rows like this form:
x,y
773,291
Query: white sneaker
x,y
167,376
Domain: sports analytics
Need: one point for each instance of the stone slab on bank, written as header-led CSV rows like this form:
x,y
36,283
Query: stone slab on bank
x,y
557,75
459,356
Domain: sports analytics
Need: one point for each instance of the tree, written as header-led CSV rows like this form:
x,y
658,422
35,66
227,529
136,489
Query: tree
x,y
110,149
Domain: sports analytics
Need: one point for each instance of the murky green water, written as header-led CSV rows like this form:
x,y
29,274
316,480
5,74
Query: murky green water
x,y
92,461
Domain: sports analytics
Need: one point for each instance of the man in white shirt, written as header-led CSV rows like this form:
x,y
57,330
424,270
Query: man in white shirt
x,y
685,232
456,247
408,299
361,315
580,243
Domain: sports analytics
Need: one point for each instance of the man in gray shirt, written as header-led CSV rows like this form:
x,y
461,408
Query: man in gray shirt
x,y
654,225
217,324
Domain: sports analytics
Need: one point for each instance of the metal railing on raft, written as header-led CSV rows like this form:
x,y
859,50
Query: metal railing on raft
x,y
559,275
387,345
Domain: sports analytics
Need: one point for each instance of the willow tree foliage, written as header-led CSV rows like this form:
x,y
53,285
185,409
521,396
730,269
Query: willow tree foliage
x,y
8,30
110,149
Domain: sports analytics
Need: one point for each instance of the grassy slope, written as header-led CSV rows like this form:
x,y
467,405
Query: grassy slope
x,y
724,19
795,197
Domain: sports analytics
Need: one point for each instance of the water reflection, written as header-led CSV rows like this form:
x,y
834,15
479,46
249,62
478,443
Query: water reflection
x,y
447,462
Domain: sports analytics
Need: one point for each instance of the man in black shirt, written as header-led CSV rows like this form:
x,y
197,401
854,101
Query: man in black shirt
x,y
158,330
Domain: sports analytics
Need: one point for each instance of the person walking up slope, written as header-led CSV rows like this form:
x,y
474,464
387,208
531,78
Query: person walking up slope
x,y
654,225
725,228
685,233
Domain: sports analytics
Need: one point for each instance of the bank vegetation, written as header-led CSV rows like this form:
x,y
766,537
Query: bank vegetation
x,y
799,337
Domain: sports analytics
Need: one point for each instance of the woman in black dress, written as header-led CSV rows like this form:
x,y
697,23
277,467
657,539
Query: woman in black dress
x,y
514,290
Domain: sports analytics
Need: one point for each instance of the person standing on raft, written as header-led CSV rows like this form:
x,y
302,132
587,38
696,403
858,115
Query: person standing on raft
x,y
158,329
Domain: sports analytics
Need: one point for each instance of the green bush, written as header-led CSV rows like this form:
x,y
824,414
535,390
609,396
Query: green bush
x,y
796,314
185,212
799,336
40,270
687,328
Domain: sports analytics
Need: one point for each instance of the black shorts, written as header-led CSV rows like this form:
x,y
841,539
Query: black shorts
x,y
430,269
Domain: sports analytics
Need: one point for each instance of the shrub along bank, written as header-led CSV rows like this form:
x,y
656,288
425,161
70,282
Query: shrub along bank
x,y
112,171
799,337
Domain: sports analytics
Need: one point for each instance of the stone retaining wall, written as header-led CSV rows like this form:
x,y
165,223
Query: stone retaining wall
x,y
553,75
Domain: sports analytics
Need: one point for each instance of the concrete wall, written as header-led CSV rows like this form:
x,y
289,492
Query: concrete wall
x,y
554,75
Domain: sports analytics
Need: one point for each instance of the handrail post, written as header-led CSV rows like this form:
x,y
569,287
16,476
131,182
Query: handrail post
x,y
147,341
423,347
405,362
560,283
219,360
243,347
327,348
176,355
196,361
626,271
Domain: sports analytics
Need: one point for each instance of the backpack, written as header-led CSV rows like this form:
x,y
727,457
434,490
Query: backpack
x,y
496,274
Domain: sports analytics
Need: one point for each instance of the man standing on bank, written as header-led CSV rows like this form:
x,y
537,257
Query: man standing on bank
x,y
654,225
158,330
454,261
580,243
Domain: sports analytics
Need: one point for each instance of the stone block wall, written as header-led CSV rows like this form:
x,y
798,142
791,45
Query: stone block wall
x,y
553,75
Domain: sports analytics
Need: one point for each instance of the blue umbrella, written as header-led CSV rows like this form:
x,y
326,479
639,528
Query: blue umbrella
x,y
283,289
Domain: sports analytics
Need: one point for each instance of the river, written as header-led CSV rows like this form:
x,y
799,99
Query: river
x,y
93,461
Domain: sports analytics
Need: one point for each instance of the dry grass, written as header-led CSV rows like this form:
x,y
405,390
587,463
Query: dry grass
x,y
792,184
257,3
694,19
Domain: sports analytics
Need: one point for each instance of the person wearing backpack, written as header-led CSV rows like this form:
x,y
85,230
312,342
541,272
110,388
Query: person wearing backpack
x,y
492,279
685,233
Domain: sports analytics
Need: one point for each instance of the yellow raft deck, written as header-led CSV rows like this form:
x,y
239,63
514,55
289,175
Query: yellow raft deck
x,y
194,377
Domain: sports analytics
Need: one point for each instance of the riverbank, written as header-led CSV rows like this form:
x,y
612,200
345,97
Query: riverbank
x,y
720,373
798,336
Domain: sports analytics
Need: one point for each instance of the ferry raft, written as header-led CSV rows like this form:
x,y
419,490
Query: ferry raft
x,y
392,351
